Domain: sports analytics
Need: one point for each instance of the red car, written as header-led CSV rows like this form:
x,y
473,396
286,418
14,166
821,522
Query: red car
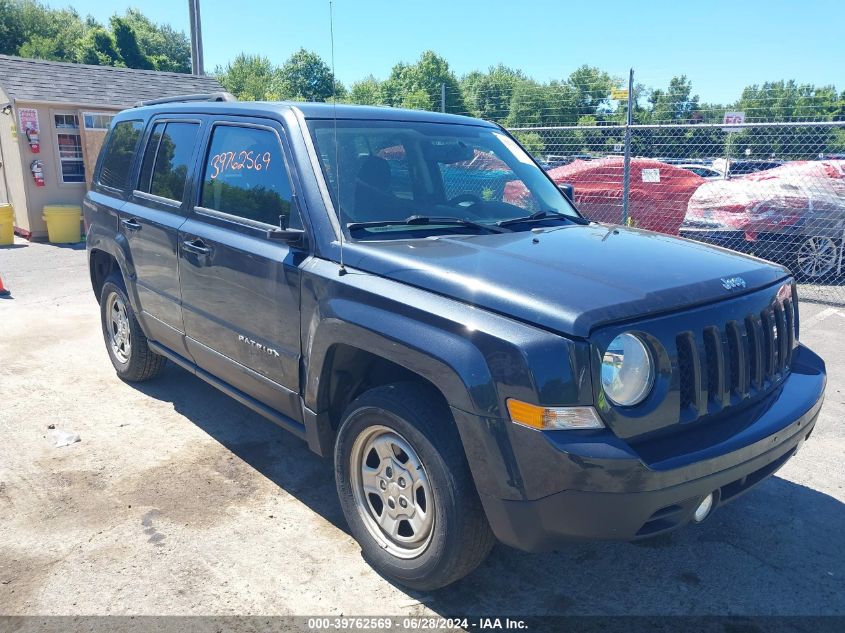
x,y
794,214
659,191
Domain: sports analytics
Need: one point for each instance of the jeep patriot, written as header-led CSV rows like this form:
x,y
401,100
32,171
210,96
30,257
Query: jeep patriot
x,y
410,294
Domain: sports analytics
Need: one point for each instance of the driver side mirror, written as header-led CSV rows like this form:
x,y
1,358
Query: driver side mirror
x,y
568,191
291,236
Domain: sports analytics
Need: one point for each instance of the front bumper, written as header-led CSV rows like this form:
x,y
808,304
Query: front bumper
x,y
595,487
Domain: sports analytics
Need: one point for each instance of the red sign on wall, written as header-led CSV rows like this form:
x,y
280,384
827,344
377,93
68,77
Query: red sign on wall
x,y
29,126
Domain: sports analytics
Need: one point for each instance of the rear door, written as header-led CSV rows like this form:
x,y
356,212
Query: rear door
x,y
240,289
110,186
151,218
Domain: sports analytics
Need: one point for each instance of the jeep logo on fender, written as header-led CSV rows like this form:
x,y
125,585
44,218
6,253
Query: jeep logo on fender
x,y
257,345
733,282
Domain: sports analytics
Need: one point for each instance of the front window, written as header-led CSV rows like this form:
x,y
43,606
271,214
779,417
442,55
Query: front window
x,y
69,143
441,177
246,176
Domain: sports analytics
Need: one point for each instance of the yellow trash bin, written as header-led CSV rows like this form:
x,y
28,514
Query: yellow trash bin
x,y
7,224
63,223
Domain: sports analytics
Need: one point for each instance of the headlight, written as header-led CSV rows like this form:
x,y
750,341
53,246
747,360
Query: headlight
x,y
627,371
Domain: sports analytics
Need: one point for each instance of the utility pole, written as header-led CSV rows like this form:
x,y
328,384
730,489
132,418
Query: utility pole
x,y
626,177
196,37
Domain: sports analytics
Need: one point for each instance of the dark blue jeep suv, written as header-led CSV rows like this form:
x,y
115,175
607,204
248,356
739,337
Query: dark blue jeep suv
x,y
478,365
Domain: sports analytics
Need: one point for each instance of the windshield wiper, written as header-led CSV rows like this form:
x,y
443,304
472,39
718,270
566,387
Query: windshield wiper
x,y
541,215
423,220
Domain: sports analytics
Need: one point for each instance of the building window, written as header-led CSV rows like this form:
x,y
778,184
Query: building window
x,y
67,121
96,120
69,144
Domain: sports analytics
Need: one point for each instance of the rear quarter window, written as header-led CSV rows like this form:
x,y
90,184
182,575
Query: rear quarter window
x,y
118,153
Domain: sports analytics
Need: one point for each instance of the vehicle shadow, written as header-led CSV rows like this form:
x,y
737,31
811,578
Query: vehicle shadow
x,y
275,453
776,550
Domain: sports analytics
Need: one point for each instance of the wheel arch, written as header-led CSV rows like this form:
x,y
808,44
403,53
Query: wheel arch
x,y
109,252
344,359
349,371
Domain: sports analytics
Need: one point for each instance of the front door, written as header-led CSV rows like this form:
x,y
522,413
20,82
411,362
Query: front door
x,y
150,220
240,289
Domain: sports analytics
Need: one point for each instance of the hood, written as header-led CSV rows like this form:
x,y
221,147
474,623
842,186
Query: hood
x,y
573,278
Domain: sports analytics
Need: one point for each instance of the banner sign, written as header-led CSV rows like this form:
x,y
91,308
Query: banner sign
x,y
29,126
733,118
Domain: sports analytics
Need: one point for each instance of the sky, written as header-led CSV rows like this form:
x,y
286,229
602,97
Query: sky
x,y
721,46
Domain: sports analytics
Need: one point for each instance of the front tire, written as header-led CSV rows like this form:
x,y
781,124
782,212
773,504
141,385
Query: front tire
x,y
406,490
126,343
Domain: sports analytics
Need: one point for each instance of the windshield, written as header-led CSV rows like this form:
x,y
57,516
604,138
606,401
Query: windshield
x,y
442,177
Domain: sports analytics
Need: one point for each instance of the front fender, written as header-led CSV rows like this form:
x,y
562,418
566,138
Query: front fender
x,y
477,359
451,364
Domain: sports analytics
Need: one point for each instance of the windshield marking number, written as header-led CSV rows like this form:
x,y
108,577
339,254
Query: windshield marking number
x,y
236,161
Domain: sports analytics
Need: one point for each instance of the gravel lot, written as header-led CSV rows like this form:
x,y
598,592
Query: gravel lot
x,y
178,500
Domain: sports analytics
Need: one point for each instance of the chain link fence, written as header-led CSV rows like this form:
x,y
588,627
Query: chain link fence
x,y
769,182
768,189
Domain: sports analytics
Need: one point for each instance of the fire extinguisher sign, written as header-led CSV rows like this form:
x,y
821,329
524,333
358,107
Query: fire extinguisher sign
x,y
29,126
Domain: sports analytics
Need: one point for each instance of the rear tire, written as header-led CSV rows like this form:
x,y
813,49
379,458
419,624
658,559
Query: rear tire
x,y
126,343
406,489
815,259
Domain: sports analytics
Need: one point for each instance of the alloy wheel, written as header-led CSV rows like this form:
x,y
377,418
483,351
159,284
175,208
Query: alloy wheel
x,y
817,257
119,332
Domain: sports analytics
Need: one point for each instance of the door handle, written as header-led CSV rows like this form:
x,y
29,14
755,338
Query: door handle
x,y
196,246
131,224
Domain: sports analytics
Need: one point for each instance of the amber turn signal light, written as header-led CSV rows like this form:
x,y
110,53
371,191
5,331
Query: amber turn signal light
x,y
553,418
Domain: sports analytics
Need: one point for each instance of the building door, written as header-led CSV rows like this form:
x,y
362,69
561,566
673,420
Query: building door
x,y
4,185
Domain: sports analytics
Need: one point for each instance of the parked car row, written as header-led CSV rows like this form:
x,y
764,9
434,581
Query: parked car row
x,y
793,213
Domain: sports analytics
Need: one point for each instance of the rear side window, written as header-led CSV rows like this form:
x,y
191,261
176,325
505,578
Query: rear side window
x,y
165,167
245,175
117,156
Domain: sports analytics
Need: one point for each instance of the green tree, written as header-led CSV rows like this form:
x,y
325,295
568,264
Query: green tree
x,y
532,142
488,95
126,43
13,32
306,77
31,29
167,48
417,100
250,78
778,101
788,101
592,90
533,104
98,47
676,104
527,106
366,92
49,34
419,85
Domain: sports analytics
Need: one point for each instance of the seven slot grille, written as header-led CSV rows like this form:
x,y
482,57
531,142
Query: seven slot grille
x,y
725,365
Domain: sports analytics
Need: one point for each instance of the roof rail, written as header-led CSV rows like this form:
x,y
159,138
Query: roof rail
x,y
204,96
